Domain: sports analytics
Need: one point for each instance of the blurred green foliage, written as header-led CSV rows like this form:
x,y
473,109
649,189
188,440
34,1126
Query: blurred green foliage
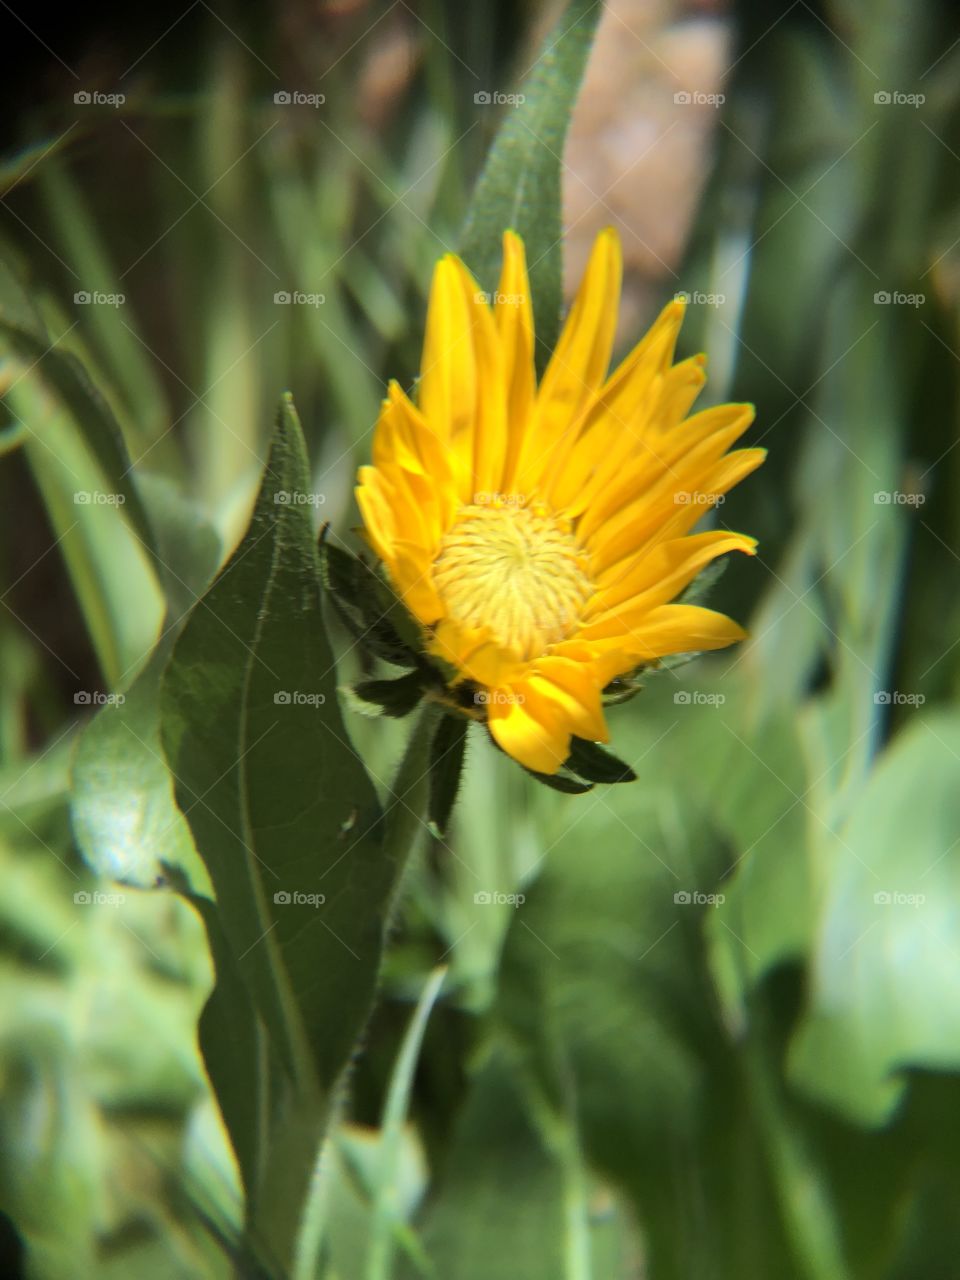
x,y
717,1037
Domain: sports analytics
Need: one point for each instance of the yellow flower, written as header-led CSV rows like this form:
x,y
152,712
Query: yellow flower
x,y
538,534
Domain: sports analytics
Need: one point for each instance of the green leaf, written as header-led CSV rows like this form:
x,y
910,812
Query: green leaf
x,y
604,985
887,962
24,332
285,819
127,361
122,808
446,765
589,760
497,1170
387,1218
389,697
188,546
124,816
519,187
109,563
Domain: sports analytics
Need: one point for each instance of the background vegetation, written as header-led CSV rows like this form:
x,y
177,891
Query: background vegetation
x,y
720,1035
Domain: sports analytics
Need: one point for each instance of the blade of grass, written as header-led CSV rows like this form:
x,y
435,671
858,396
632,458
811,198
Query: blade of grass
x,y
386,1219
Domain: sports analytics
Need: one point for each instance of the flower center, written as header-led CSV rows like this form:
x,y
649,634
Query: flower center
x,y
517,570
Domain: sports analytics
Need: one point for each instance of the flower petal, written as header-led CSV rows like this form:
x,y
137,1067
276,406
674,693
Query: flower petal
x,y
660,514
513,313
531,730
448,374
617,420
678,628
578,366
656,579
575,688
490,416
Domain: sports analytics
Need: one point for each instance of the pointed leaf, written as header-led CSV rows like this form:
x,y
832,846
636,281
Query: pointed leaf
x,y
286,820
519,187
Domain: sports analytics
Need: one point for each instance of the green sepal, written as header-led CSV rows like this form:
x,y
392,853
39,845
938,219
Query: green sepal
x,y
621,689
446,765
591,761
708,577
366,606
395,698
561,781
